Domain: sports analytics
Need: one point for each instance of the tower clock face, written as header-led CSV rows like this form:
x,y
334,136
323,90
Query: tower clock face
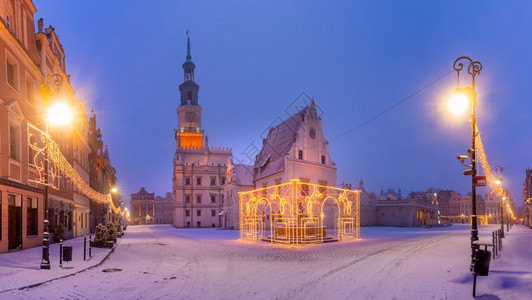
x,y
312,133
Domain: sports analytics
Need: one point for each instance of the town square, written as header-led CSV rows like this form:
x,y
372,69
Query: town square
x,y
265,150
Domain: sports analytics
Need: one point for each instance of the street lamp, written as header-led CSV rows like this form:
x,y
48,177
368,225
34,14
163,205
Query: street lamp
x,y
59,114
499,181
468,95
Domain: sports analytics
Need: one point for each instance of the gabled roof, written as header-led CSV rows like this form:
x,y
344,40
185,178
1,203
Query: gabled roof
x,y
243,174
280,141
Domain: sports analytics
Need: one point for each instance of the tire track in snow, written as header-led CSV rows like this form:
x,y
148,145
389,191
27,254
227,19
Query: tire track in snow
x,y
395,263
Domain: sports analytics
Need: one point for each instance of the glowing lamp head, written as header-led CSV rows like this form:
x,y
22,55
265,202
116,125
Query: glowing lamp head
x,y
458,103
114,190
59,114
498,182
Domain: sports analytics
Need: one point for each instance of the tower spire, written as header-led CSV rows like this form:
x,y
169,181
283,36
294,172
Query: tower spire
x,y
189,57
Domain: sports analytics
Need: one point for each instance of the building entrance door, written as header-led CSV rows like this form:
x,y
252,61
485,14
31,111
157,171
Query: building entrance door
x,y
15,221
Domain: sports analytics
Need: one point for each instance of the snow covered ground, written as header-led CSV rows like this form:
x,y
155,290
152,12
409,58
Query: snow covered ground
x,y
161,262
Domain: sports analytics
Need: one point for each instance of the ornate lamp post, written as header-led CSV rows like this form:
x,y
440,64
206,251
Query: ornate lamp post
x,y
499,181
44,90
59,114
469,95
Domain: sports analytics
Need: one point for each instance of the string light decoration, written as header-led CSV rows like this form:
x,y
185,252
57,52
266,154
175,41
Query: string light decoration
x,y
38,142
497,189
297,213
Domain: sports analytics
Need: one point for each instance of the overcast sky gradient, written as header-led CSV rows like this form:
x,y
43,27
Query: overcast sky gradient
x,y
356,58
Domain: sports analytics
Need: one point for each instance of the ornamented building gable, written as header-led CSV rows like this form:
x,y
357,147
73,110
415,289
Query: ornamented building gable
x,y
296,149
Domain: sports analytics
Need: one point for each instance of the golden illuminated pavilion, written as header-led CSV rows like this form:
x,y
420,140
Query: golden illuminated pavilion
x,y
299,213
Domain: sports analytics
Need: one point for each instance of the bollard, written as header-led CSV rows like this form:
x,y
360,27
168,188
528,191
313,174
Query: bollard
x,y
501,232
60,253
90,245
494,244
84,247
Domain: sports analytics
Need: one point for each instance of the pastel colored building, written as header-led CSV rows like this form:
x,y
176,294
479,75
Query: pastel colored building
x,y
28,58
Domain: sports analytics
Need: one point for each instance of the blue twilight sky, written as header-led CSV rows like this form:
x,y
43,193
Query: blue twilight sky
x,y
356,58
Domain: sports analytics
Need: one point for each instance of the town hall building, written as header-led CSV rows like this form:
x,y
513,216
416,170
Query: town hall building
x,y
199,169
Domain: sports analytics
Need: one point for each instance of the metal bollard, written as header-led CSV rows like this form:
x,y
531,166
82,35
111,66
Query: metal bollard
x,y
84,247
60,253
493,242
90,245
500,239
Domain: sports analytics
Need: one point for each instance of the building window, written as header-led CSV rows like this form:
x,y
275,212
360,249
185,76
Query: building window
x,y
187,199
304,189
32,224
187,181
223,181
187,213
213,180
198,180
30,91
300,154
213,212
198,212
213,198
11,73
189,95
198,198
188,224
14,141
198,224
70,220
323,159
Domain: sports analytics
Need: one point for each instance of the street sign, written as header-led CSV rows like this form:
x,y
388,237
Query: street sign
x,y
480,181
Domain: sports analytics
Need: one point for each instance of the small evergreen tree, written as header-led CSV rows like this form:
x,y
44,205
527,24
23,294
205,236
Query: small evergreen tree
x,y
112,231
102,236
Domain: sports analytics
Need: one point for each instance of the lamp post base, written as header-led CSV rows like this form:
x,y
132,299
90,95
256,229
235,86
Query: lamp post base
x,y
45,262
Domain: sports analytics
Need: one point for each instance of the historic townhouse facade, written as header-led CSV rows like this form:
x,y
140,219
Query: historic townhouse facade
x,y
21,202
146,208
28,58
199,169
527,198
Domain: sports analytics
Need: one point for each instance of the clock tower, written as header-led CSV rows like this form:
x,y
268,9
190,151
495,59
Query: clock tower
x,y
189,133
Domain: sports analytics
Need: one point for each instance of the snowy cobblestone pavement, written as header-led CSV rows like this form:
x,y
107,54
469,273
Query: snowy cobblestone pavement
x,y
161,262
22,268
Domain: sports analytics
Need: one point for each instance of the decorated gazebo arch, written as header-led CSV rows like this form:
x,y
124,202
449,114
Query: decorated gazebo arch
x,y
297,213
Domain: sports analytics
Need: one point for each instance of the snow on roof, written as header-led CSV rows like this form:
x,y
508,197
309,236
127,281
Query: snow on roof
x,y
280,140
243,174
